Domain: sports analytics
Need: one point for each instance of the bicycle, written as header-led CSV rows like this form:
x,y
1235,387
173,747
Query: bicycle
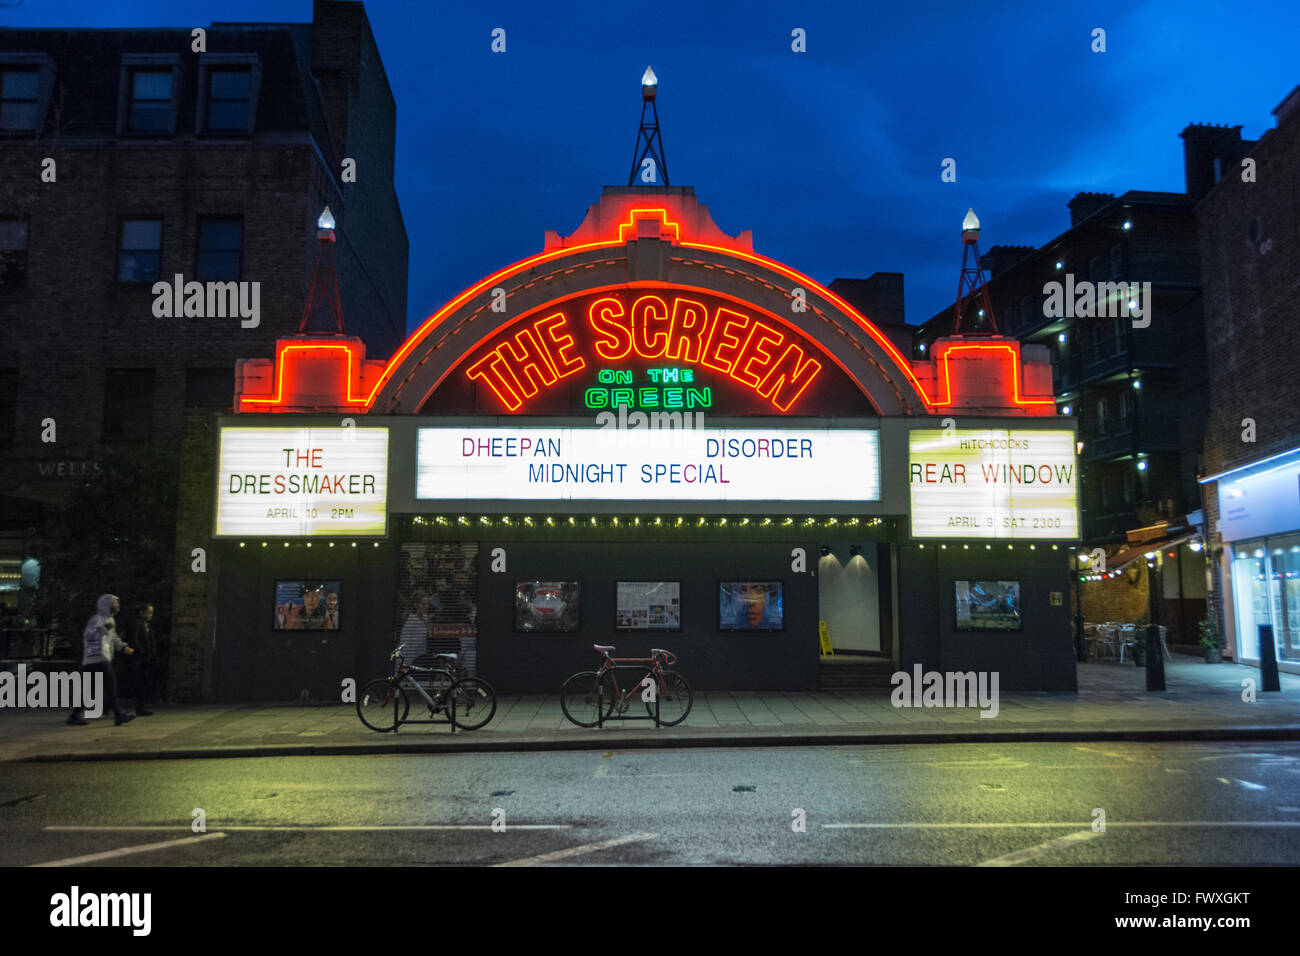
x,y
589,698
469,702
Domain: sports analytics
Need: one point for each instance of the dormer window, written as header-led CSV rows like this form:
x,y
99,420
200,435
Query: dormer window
x,y
228,88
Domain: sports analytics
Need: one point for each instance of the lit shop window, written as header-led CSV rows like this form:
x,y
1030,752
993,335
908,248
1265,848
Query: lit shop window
x,y
139,250
221,246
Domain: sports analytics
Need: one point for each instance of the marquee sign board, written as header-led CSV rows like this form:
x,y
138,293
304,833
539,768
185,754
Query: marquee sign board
x,y
615,464
993,483
302,482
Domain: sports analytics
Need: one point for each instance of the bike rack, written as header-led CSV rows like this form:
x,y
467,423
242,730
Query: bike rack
x,y
600,699
451,715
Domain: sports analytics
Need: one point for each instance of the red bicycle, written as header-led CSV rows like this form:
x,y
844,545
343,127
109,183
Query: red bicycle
x,y
591,697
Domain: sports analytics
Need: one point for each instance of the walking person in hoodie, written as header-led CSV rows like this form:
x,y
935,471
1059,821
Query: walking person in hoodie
x,y
99,643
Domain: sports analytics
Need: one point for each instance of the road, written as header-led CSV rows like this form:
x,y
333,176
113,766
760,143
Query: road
x,y
965,804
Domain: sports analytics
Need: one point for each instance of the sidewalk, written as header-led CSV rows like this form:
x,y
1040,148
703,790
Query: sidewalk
x,y
1203,702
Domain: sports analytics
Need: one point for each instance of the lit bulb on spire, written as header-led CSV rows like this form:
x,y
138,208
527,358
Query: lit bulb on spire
x,y
648,78
326,220
971,221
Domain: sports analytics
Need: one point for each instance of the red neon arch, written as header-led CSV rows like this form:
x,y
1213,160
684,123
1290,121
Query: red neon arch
x,y
662,213
800,334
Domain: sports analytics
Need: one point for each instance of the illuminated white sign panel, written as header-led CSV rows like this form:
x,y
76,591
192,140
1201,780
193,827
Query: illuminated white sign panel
x,y
296,482
993,483
1263,502
705,464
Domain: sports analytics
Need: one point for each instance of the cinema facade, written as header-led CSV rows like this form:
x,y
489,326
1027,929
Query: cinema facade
x,y
645,435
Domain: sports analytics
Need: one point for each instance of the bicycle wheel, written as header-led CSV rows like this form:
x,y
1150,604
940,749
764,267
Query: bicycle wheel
x,y
381,706
475,702
581,698
674,699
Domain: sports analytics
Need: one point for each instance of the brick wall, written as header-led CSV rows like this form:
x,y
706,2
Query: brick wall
x,y
1118,599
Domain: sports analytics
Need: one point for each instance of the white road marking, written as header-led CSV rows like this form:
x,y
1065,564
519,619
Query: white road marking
x,y
1251,786
1061,824
1042,849
330,829
576,850
128,850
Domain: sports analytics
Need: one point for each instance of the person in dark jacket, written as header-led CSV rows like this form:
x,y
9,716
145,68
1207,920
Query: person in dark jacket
x,y
143,664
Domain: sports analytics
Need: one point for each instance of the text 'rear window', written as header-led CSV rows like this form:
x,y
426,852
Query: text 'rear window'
x,y
221,245
140,250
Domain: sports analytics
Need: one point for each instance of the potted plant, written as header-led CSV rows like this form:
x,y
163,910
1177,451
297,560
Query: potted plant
x,y
1211,643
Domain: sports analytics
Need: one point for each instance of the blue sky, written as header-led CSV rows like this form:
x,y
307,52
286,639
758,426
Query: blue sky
x,y
832,157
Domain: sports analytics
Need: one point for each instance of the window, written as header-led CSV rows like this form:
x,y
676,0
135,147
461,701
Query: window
x,y
229,99
221,243
13,252
1116,260
150,108
128,403
20,99
8,404
228,87
140,250
210,387
1130,487
1101,416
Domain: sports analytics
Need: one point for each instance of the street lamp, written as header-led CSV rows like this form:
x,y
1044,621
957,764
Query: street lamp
x,y
649,84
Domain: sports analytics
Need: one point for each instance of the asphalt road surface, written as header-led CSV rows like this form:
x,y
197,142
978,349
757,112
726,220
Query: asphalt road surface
x,y
1038,804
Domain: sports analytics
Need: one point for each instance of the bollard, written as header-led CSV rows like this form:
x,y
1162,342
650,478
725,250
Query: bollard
x,y
1155,659
1267,660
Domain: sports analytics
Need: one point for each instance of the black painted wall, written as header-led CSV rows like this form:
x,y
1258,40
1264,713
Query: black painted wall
x,y
1038,657
708,658
255,663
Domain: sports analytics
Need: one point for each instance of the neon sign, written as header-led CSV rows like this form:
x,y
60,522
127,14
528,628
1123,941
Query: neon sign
x,y
770,362
669,388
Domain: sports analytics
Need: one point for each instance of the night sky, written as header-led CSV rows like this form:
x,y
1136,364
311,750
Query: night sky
x,y
832,157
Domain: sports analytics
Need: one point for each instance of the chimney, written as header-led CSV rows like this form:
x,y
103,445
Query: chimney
x,y
1208,152
879,298
1287,106
1084,205
336,42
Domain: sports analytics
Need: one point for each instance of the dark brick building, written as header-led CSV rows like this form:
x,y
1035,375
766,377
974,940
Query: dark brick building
x,y
1249,228
1130,367
129,157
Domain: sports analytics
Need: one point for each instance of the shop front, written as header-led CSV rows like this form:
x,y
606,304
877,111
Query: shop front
x,y
1259,523
646,436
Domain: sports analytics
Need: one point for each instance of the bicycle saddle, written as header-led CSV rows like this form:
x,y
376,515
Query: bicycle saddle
x,y
603,647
